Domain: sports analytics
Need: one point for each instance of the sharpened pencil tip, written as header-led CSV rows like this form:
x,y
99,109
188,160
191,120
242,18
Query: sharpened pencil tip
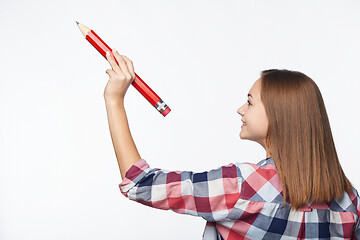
x,y
77,22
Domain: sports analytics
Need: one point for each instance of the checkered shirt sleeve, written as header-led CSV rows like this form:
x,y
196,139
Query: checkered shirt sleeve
x,y
210,194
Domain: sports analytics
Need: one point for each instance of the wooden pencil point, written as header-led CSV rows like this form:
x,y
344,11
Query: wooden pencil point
x,y
84,30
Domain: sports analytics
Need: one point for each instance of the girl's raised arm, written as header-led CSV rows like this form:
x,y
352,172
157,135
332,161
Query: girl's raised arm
x,y
121,77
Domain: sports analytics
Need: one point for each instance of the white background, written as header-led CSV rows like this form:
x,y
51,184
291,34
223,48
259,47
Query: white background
x,y
58,174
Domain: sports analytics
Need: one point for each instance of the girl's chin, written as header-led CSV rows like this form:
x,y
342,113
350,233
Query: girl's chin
x,y
242,136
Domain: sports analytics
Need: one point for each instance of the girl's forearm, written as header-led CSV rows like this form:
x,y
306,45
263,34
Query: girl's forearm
x,y
124,146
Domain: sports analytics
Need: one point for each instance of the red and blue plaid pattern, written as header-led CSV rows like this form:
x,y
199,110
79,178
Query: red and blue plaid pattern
x,y
241,201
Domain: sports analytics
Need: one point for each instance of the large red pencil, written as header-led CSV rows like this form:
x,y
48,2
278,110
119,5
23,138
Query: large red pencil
x,y
138,83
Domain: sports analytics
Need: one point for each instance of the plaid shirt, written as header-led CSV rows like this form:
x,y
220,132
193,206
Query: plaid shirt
x,y
241,201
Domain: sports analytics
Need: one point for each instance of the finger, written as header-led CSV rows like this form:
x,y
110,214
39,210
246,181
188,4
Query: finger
x,y
110,72
112,62
130,65
122,64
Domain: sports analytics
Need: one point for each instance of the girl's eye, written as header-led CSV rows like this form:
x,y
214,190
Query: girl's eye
x,y
249,102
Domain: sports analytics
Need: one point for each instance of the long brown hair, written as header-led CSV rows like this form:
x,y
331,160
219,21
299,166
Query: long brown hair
x,y
299,139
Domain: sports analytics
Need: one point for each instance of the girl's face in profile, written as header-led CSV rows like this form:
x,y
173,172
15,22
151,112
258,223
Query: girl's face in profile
x,y
254,115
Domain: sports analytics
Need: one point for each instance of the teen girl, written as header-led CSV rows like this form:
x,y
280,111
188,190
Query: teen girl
x,y
299,191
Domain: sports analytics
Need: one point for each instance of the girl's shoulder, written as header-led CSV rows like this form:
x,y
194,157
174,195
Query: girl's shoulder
x,y
264,166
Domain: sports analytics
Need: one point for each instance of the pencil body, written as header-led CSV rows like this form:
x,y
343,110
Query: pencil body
x,y
138,83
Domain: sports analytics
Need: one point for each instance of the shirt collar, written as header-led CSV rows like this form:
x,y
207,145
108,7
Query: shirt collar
x,y
269,160
265,162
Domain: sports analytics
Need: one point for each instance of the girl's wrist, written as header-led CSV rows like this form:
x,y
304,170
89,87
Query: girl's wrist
x,y
112,101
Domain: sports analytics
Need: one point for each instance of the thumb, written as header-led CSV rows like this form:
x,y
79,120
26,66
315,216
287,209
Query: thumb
x,y
109,72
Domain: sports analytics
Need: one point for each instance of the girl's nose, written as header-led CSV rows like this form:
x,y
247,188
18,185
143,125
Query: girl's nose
x,y
241,111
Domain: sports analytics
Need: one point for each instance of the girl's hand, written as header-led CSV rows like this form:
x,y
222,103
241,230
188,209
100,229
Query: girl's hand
x,y
121,76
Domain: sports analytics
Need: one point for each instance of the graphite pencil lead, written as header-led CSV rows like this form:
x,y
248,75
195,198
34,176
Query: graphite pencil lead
x,y
77,22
